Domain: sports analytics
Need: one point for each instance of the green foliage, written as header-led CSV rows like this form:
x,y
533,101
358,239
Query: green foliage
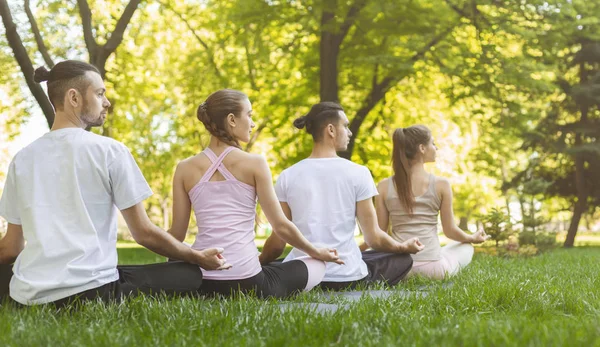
x,y
541,240
496,223
480,75
545,241
530,193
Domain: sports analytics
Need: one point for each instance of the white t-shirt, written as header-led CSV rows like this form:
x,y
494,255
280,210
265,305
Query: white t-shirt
x,y
62,189
322,194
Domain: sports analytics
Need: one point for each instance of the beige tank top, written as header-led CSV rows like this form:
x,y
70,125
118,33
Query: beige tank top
x,y
423,223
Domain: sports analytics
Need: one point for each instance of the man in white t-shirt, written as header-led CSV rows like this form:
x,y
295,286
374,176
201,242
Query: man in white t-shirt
x,y
61,197
324,194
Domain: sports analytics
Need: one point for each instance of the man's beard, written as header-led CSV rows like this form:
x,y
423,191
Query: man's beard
x,y
342,146
88,118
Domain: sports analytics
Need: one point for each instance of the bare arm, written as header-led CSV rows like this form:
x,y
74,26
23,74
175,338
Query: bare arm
x,y
383,215
274,246
282,226
451,230
377,238
157,240
181,206
11,244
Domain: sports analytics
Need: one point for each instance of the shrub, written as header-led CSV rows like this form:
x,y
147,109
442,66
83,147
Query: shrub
x,y
542,241
497,224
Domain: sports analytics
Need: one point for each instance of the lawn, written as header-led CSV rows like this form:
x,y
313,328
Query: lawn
x,y
549,300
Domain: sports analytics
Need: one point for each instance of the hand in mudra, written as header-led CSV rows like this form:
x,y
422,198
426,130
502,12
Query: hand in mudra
x,y
479,237
328,255
413,245
211,259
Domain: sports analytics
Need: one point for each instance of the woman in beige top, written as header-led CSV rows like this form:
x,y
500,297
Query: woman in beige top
x,y
412,200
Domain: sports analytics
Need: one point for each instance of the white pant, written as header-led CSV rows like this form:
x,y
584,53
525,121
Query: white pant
x,y
455,256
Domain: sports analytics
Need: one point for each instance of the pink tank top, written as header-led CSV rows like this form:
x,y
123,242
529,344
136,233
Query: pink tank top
x,y
225,212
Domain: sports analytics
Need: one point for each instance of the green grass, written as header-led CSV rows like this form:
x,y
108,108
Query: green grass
x,y
549,300
138,255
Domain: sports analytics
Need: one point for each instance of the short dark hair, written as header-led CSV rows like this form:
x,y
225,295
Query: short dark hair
x,y
62,77
319,116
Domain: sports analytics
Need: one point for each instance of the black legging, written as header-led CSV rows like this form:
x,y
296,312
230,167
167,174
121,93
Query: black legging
x,y
276,279
388,268
172,278
5,276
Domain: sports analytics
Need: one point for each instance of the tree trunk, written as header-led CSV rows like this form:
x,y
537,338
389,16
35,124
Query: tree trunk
x,y
577,213
98,54
38,37
581,204
463,223
377,93
379,89
329,52
332,36
580,186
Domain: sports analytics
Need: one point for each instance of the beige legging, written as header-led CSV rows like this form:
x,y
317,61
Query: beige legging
x,y
454,256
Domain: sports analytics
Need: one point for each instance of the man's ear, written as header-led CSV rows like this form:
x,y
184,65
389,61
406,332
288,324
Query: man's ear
x,y
231,120
73,97
330,130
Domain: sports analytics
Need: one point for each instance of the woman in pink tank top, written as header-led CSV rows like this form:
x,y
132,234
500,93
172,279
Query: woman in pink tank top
x,y
221,185
412,199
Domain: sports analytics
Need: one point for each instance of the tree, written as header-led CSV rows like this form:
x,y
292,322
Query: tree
x,y
98,53
22,57
568,140
566,135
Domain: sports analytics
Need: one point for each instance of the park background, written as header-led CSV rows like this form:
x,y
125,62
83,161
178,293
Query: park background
x,y
510,89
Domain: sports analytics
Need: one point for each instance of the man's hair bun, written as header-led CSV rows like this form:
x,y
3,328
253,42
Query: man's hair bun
x,y
300,123
41,74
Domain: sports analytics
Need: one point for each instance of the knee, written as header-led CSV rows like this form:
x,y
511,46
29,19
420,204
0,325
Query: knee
x,y
471,249
316,272
407,260
464,254
468,250
192,273
315,267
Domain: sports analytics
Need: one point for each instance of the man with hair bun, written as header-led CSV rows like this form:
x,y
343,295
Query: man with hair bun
x,y
61,197
324,195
